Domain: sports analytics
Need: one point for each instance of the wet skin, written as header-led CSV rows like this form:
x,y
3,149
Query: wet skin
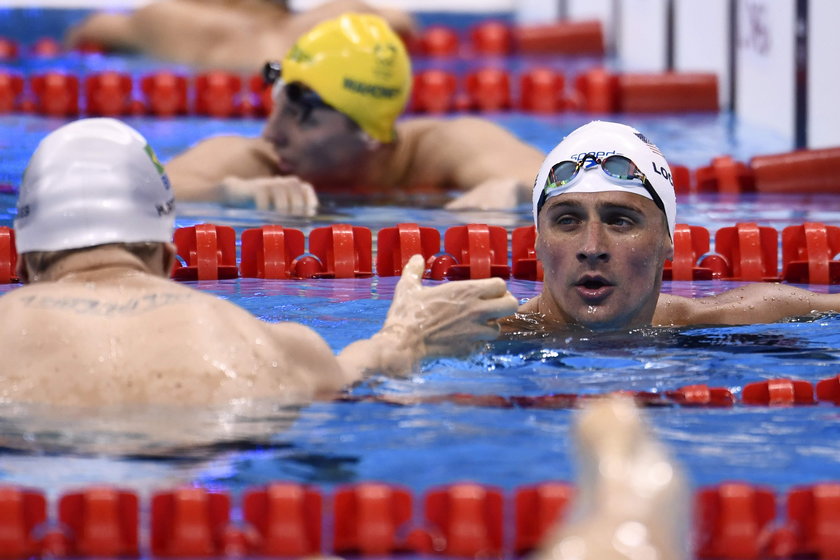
x,y
317,144
603,255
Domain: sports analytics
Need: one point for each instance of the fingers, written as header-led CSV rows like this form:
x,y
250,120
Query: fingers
x,y
410,280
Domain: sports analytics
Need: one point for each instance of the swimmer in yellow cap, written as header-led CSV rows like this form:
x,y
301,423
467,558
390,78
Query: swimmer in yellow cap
x,y
337,96
227,34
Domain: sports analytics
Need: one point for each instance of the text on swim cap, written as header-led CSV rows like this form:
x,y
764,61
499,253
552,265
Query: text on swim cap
x,y
662,171
371,89
596,155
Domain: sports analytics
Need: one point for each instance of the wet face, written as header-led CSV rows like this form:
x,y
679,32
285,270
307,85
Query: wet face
x,y
602,255
316,143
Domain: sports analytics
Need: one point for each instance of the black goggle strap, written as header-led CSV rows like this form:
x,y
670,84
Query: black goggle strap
x,y
271,72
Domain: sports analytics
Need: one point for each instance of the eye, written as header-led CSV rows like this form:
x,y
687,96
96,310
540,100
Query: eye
x,y
566,220
621,221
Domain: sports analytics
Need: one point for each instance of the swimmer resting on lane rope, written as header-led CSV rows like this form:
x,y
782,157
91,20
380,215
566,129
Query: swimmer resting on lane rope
x,y
100,322
605,211
236,35
333,128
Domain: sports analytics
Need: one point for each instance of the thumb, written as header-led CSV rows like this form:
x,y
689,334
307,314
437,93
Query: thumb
x,y
411,275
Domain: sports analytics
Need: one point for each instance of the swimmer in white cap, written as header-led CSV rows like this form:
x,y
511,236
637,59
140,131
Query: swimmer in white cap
x,y
101,323
605,212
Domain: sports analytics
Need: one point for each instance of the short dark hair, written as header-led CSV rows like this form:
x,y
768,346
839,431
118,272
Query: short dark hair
x,y
38,262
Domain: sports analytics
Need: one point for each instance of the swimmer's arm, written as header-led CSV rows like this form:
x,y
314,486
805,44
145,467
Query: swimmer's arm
x,y
113,31
473,151
197,174
753,303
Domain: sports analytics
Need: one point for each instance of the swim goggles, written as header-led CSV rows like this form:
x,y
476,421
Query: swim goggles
x,y
615,166
298,94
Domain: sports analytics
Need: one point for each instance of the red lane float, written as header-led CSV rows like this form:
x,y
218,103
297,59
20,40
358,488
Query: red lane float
x,y
829,389
434,92
804,171
286,517
261,93
56,94
732,521
108,94
538,509
8,49
344,251
725,175
808,253
217,94
813,519
46,47
11,86
750,251
465,520
690,243
479,250
189,522
439,41
270,252
165,93
542,90
524,255
368,517
778,392
668,92
21,511
566,37
101,521
396,245
488,90
8,256
492,37
208,252
599,91
702,395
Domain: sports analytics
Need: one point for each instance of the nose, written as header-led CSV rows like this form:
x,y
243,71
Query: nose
x,y
275,131
593,246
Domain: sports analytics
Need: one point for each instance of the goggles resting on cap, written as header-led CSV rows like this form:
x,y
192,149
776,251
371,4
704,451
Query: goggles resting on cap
x,y
617,167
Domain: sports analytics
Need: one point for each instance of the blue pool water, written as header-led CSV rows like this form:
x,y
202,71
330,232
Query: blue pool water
x,y
428,444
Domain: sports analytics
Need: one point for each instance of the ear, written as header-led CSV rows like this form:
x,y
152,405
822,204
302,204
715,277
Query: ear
x,y
168,255
22,270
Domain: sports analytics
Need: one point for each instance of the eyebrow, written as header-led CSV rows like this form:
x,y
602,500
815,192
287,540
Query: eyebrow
x,y
574,204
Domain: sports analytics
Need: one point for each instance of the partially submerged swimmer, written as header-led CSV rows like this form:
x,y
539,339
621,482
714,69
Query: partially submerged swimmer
x,y
632,500
229,34
100,323
605,211
338,94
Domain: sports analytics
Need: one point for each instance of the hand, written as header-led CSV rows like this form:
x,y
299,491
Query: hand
x,y
289,194
448,319
492,194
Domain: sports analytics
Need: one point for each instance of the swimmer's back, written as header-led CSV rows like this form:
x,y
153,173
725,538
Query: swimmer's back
x,y
149,340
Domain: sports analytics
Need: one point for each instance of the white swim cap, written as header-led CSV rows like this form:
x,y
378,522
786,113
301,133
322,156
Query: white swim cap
x,y
92,182
603,139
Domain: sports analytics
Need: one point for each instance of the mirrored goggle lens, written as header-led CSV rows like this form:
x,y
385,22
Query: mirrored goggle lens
x,y
620,167
270,72
562,173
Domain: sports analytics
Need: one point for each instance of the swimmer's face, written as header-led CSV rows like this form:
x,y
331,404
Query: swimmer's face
x,y
314,142
602,255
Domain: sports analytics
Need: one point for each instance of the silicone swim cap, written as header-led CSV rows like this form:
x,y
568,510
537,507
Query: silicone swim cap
x,y
603,139
358,65
92,182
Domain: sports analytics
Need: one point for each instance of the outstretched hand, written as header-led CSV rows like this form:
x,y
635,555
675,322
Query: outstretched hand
x,y
448,319
501,193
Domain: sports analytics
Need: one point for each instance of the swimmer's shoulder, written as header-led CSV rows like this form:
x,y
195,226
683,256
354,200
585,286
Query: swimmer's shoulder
x,y
674,311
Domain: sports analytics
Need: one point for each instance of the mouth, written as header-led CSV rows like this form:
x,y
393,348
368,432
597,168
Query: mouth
x,y
285,166
593,289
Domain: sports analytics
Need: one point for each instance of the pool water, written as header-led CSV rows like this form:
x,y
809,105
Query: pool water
x,y
427,444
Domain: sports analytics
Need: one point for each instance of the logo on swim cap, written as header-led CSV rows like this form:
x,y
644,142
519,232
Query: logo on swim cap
x,y
357,65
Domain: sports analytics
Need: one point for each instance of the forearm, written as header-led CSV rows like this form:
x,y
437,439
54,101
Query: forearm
x,y
395,351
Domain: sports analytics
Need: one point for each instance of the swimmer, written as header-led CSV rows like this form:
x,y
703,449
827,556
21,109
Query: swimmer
x,y
337,96
632,500
100,322
605,211
237,35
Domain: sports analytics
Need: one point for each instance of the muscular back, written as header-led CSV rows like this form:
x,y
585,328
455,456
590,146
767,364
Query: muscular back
x,y
144,339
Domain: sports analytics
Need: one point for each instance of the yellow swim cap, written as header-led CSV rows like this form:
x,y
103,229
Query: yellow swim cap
x,y
358,65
